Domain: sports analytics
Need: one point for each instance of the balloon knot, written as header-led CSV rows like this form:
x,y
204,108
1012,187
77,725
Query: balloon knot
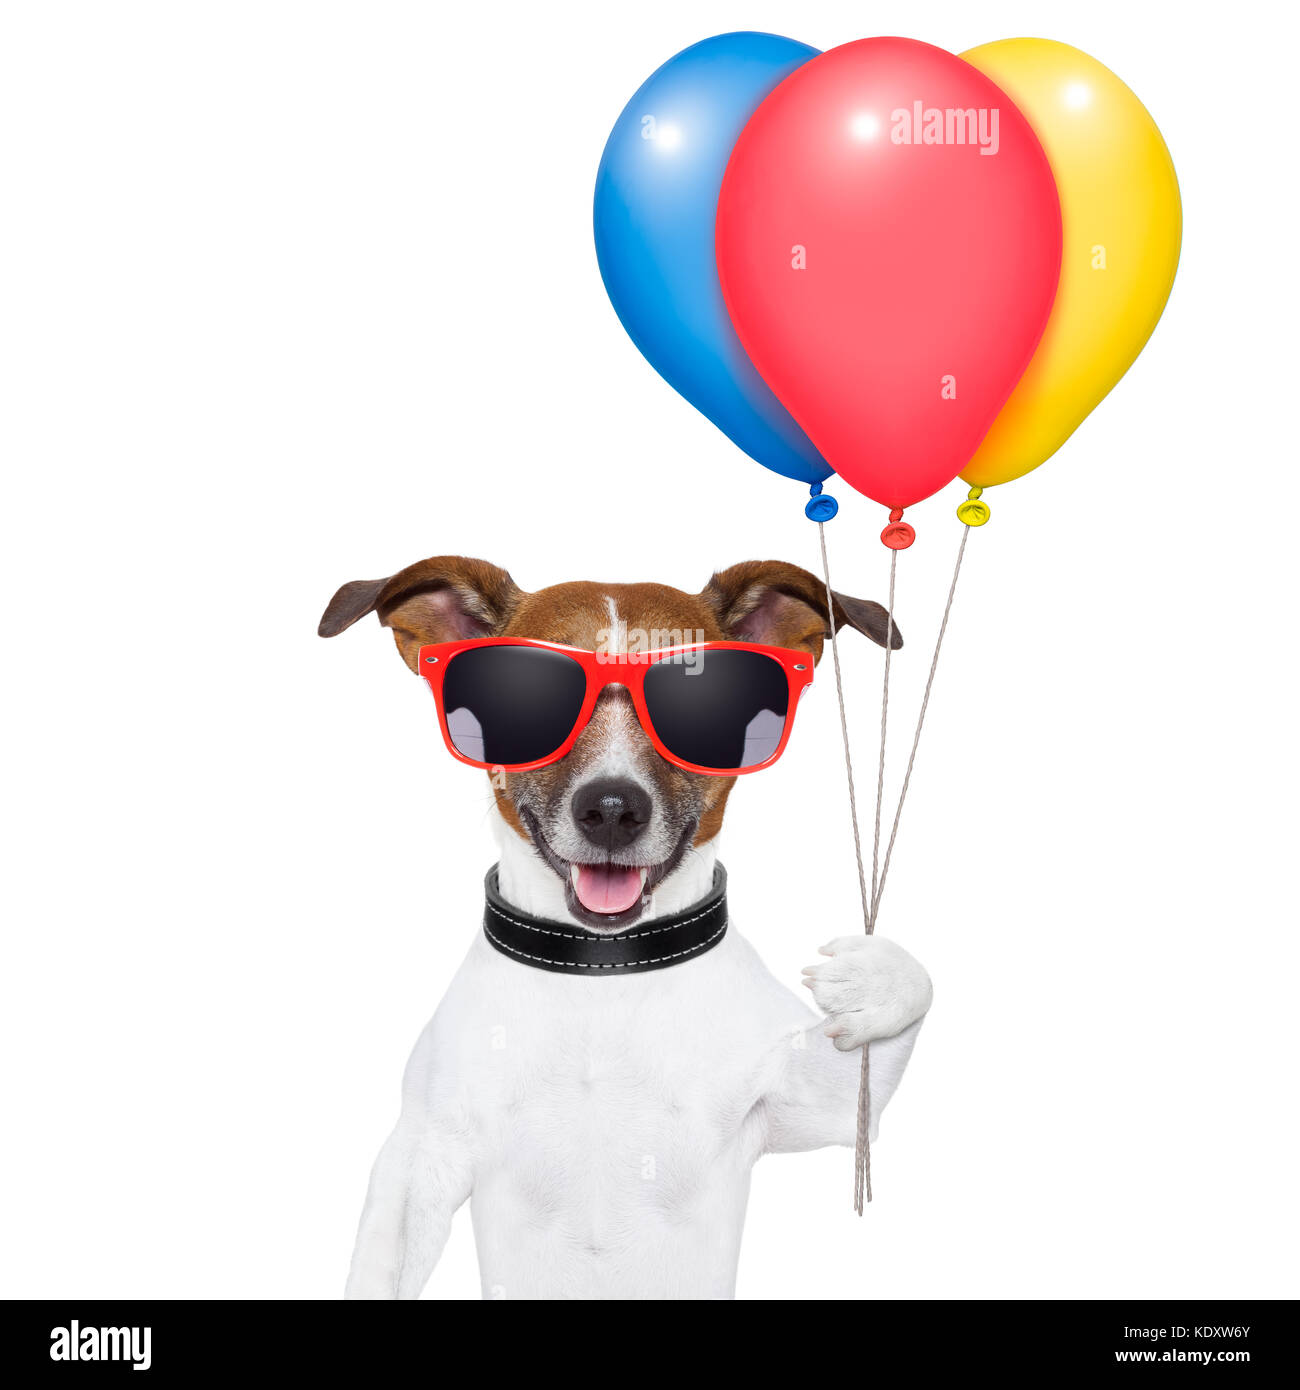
x,y
973,512
820,506
898,535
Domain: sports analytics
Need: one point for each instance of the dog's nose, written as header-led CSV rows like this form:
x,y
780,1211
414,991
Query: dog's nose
x,y
611,812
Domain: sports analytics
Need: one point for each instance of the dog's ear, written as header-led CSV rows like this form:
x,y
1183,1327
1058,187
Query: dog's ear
x,y
782,605
437,600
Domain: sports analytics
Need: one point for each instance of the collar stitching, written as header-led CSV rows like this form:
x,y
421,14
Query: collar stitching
x,y
610,965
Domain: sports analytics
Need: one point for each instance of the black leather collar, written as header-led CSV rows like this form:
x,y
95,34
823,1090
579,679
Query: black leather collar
x,y
572,950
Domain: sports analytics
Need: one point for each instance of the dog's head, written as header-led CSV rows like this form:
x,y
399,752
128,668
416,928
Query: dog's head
x,y
613,819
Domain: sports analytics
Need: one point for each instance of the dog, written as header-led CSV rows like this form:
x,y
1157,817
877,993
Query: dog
x,y
600,1115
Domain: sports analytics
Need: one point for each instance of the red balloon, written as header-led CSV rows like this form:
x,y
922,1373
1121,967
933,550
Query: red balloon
x,y
889,242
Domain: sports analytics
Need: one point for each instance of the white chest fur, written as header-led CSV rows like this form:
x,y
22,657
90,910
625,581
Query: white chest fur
x,y
614,1121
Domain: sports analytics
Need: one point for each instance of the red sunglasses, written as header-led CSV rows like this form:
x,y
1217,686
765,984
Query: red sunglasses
x,y
722,708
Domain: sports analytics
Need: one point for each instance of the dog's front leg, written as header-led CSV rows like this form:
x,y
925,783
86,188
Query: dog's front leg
x,y
875,995
422,1175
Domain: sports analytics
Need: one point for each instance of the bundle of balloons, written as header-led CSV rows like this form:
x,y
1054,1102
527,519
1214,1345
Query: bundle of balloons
x,y
886,260
892,263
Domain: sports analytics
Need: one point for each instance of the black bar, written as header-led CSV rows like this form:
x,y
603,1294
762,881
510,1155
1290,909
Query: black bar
x,y
1036,1341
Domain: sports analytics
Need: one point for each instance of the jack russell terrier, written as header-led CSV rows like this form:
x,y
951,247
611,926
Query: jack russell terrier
x,y
612,1057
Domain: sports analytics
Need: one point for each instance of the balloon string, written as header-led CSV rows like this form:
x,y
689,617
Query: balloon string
x,y
879,872
884,721
844,732
878,888
862,1147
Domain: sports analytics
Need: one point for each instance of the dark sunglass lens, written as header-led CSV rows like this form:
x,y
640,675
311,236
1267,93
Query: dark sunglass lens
x,y
511,705
718,709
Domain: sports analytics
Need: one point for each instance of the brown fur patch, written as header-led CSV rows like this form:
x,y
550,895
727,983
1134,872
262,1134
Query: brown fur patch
x,y
781,605
577,614
434,600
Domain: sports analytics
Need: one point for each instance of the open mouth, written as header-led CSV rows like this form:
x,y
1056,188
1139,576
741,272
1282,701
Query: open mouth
x,y
605,895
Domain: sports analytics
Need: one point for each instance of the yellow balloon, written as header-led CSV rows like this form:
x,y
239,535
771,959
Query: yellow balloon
x,y
1122,225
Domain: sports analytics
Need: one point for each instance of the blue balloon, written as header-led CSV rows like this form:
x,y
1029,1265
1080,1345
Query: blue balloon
x,y
656,201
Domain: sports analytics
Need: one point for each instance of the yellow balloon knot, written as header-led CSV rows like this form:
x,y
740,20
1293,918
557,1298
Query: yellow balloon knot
x,y
972,511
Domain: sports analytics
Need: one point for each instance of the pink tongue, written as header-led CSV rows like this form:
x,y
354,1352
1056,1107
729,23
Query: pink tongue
x,y
607,887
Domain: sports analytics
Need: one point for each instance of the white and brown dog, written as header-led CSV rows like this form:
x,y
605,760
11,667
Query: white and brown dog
x,y
603,1125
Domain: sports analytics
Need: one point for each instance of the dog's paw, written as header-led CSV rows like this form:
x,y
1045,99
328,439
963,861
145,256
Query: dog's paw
x,y
870,988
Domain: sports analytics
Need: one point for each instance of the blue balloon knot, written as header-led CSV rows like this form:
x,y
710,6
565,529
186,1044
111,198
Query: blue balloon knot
x,y
820,507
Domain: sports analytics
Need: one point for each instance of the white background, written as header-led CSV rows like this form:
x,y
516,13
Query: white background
x,y
299,293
